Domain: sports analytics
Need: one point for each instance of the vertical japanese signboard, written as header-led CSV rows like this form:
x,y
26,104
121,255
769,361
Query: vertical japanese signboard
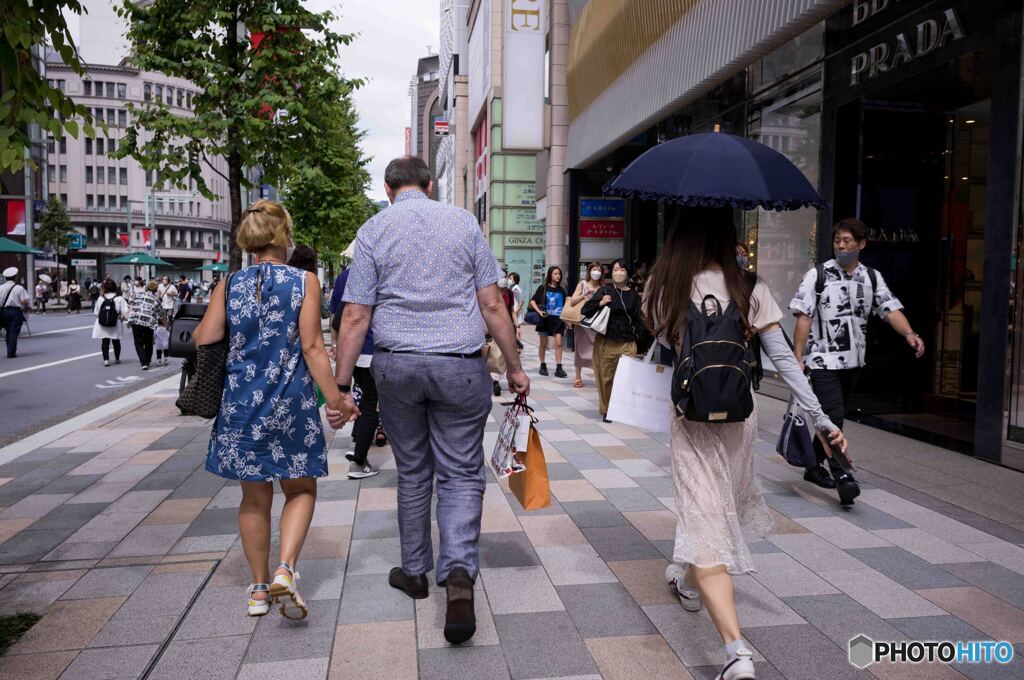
x,y
523,74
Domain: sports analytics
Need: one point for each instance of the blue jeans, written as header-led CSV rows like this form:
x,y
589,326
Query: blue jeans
x,y
434,410
13,319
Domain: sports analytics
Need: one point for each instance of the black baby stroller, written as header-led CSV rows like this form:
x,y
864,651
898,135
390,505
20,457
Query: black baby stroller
x,y
182,346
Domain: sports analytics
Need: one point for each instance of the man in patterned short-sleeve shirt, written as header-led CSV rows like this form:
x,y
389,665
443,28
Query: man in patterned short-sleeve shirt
x,y
831,335
422,270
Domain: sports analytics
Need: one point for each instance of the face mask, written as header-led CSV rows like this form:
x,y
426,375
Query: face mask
x,y
595,274
743,261
502,283
845,258
619,276
511,282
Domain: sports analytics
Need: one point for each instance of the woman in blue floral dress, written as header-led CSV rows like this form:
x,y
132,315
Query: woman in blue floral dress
x,y
269,427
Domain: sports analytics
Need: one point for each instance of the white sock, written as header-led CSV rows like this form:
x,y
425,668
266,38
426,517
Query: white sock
x,y
733,647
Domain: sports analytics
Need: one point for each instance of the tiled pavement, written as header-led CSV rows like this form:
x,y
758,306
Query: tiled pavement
x,y
130,549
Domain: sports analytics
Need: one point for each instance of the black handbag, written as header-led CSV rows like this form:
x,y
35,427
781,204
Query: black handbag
x,y
183,325
202,395
795,443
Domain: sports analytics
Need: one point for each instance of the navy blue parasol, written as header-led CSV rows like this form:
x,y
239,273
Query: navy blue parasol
x,y
716,170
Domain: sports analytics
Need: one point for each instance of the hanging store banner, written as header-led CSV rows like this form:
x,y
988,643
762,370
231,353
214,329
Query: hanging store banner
x,y
16,217
479,60
523,74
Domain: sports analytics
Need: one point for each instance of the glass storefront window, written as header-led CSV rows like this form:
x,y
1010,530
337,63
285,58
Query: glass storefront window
x,y
782,244
788,60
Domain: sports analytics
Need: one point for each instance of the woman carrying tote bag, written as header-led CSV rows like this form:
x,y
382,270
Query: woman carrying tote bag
x,y
584,337
620,335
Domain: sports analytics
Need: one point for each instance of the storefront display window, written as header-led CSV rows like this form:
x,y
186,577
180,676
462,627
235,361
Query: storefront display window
x,y
782,244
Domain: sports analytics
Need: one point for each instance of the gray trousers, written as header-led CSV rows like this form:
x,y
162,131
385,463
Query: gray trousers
x,y
434,410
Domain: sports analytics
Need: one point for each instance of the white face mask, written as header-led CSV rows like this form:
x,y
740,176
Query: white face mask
x,y
595,274
502,283
511,283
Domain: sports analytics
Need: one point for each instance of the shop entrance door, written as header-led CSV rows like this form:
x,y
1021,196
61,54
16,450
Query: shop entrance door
x,y
923,178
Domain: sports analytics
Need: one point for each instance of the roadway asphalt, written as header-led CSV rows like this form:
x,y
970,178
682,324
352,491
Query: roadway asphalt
x,y
59,373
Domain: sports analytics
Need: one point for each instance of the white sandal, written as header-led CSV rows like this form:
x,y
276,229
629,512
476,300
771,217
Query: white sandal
x,y
285,591
258,607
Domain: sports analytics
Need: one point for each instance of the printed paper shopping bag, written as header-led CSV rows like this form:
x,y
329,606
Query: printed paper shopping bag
x,y
531,486
641,394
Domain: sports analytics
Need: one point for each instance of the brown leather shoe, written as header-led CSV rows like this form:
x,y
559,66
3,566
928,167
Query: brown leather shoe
x,y
413,586
460,621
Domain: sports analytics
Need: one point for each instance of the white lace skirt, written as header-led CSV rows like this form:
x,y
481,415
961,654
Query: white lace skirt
x,y
717,496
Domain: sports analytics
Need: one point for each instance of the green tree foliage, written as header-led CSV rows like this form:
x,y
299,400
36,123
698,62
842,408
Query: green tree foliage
x,y
258,107
52,231
325,187
26,97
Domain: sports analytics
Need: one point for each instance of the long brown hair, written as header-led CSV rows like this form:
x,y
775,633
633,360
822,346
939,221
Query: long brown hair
x,y
699,237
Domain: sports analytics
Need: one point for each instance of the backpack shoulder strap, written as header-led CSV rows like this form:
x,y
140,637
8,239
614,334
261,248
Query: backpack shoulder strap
x,y
819,288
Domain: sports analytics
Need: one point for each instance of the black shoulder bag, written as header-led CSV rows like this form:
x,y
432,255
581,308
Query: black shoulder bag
x,y
202,396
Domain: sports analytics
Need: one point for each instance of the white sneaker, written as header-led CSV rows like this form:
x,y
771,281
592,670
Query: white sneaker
x,y
357,471
740,668
690,599
258,607
106,362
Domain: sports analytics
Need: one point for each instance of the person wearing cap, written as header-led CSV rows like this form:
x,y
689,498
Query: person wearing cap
x,y
15,301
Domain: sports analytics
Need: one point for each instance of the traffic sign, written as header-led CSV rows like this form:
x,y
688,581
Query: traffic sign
x,y
76,241
440,128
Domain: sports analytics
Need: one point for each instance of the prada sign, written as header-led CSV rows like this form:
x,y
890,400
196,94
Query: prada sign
x,y
929,35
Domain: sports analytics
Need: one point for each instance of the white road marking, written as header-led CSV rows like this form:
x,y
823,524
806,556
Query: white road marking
x,y
119,382
61,330
52,363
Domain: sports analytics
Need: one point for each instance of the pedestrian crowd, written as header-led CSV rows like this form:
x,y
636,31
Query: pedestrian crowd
x,y
417,324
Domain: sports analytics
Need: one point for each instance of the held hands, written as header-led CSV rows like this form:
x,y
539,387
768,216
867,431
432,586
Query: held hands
x,y
606,300
342,411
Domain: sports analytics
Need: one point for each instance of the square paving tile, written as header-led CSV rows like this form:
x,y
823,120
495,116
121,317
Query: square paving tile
x,y
68,625
655,525
333,513
430,617
31,546
609,479
322,579
983,611
210,659
815,553
368,598
574,564
34,506
802,651
645,580
928,547
841,619
279,639
376,524
214,522
551,530
993,579
295,669
785,577
69,516
375,651
138,631
906,569
639,657
589,514
632,500
374,555
152,539
163,595
107,583
111,662
589,606
543,645
880,594
216,613
519,590
841,533
620,543
177,511
35,666
483,663
575,490
507,549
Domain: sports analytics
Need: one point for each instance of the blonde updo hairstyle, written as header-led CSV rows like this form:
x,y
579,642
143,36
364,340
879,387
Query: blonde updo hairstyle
x,y
264,224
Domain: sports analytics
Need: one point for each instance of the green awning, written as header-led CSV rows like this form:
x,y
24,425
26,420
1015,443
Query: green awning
x,y
213,267
9,246
139,258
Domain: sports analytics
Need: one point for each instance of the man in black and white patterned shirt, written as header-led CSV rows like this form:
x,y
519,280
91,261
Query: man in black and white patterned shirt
x,y
831,334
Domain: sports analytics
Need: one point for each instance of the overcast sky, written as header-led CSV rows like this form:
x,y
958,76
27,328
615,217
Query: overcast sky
x,y
393,34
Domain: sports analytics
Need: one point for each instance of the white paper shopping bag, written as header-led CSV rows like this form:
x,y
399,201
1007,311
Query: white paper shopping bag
x,y
641,394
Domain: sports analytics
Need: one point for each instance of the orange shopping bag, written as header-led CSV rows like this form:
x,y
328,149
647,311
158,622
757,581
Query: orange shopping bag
x,y
531,486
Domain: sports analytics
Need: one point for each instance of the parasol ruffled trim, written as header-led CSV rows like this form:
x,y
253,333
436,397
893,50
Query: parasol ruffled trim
x,y
696,201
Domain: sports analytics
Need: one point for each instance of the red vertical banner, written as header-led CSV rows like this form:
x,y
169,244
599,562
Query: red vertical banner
x,y
123,238
16,217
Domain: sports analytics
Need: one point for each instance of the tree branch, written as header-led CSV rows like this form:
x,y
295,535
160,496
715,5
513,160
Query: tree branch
x,y
210,165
